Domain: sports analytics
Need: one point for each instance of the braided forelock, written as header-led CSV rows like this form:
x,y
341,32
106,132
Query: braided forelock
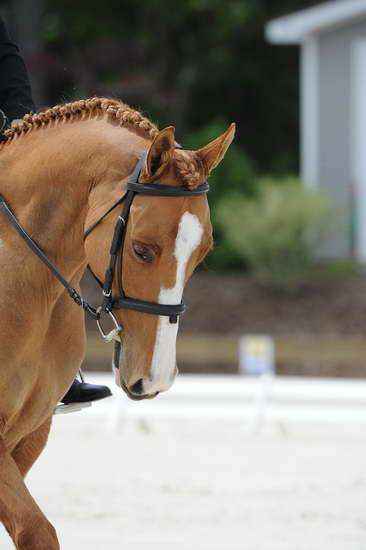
x,y
190,168
84,109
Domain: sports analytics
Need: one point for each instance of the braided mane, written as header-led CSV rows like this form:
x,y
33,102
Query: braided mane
x,y
188,166
84,109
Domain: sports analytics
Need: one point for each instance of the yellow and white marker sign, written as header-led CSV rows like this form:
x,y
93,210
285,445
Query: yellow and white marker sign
x,y
256,354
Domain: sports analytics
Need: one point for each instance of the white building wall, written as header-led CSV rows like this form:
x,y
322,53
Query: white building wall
x,y
309,112
358,143
327,128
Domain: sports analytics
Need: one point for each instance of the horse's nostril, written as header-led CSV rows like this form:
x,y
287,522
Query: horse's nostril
x,y
138,387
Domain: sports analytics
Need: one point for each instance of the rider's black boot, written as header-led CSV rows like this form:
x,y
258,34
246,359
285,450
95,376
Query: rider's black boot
x,y
81,392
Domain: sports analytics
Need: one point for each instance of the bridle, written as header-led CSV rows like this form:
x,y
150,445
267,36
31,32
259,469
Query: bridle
x,y
122,301
110,302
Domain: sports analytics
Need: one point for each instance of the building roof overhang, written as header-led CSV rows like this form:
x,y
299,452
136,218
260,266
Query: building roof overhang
x,y
296,27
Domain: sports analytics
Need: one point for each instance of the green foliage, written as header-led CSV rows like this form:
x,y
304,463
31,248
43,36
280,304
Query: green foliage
x,y
194,64
279,232
183,63
236,171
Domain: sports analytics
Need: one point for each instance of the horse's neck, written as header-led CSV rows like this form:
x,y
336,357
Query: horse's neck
x,y
54,180
51,180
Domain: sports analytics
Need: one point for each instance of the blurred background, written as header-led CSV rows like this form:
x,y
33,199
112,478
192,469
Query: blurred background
x,y
288,206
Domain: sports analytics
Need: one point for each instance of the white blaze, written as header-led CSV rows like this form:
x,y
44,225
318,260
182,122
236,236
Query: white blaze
x,y
164,357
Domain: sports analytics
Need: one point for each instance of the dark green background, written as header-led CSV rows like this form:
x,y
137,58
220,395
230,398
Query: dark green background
x,y
196,64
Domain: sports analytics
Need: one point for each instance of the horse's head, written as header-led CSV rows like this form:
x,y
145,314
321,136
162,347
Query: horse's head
x,y
166,238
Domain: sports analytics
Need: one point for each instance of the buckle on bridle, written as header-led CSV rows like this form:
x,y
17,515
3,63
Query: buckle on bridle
x,y
113,334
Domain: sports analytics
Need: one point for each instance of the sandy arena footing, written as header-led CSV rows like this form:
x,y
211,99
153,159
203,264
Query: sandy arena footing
x,y
216,463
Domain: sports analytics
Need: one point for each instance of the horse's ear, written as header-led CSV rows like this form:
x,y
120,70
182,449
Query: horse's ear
x,y
213,153
159,153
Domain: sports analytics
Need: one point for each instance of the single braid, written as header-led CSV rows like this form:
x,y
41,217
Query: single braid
x,y
190,168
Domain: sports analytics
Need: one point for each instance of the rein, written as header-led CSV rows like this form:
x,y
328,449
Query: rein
x,y
73,293
121,301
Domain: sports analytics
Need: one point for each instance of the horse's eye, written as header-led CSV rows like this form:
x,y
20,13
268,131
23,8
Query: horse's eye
x,y
143,252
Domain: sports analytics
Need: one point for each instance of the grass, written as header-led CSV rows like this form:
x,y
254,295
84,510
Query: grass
x,y
213,348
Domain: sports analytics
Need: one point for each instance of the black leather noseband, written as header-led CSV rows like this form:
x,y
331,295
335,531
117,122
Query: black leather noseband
x,y
122,301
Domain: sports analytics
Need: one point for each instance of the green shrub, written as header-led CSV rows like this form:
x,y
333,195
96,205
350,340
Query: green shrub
x,y
277,233
234,174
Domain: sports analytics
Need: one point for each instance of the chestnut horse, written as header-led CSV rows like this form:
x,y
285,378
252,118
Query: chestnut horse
x,y
61,170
